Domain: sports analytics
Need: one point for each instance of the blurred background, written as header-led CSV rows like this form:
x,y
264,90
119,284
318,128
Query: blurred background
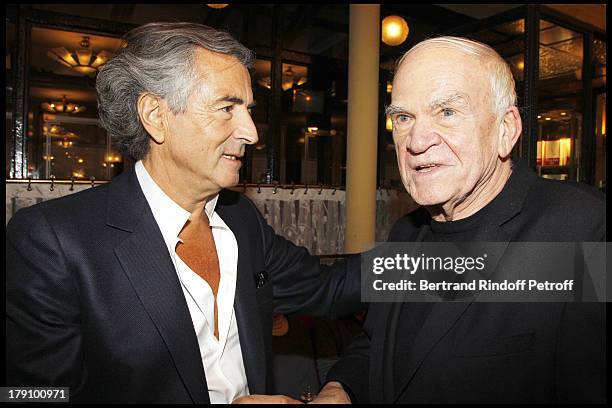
x,y
300,82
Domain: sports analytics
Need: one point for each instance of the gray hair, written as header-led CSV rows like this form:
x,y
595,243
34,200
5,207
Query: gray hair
x,y
157,58
502,81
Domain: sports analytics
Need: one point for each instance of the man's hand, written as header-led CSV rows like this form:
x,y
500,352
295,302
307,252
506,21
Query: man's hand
x,y
265,399
332,393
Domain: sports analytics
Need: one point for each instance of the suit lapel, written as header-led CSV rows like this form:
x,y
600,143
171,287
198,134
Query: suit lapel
x,y
245,303
147,264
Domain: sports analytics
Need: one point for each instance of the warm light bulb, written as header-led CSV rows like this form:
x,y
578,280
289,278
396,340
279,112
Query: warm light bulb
x,y
394,30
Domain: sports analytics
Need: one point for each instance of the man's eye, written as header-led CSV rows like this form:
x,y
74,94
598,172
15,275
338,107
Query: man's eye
x,y
228,109
401,118
447,112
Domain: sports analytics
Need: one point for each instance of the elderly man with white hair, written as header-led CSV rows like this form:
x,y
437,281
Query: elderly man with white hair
x,y
455,123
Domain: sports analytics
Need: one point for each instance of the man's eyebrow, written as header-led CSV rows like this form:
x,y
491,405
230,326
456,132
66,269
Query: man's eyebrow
x,y
234,99
230,98
456,98
391,109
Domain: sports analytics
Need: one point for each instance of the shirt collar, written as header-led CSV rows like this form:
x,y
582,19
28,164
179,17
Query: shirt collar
x,y
209,209
170,216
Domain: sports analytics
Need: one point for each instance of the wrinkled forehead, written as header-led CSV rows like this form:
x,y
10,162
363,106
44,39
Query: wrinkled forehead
x,y
440,69
213,64
441,58
221,74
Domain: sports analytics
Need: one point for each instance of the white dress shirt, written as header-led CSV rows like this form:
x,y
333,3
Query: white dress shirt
x,y
222,358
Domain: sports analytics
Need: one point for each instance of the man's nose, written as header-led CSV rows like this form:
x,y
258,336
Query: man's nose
x,y
246,129
422,137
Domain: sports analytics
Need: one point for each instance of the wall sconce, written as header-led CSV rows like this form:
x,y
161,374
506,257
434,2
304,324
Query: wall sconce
x,y
394,30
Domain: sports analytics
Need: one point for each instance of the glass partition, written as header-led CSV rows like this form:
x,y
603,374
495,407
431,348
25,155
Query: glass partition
x,y
560,102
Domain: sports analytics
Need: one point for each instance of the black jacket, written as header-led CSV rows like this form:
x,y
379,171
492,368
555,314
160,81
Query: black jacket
x,y
493,352
94,302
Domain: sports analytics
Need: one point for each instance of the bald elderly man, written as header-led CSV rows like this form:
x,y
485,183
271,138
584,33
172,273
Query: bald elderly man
x,y
455,123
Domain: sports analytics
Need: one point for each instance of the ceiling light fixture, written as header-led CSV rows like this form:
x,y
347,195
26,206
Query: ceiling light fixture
x,y
82,60
52,130
63,107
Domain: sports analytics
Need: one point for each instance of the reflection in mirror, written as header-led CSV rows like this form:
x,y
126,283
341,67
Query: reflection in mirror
x,y
64,138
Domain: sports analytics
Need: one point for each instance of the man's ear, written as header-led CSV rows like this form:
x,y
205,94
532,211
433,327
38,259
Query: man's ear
x,y
151,110
509,131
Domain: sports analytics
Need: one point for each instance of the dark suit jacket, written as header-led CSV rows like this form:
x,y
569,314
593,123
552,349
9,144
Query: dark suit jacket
x,y
94,302
493,352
